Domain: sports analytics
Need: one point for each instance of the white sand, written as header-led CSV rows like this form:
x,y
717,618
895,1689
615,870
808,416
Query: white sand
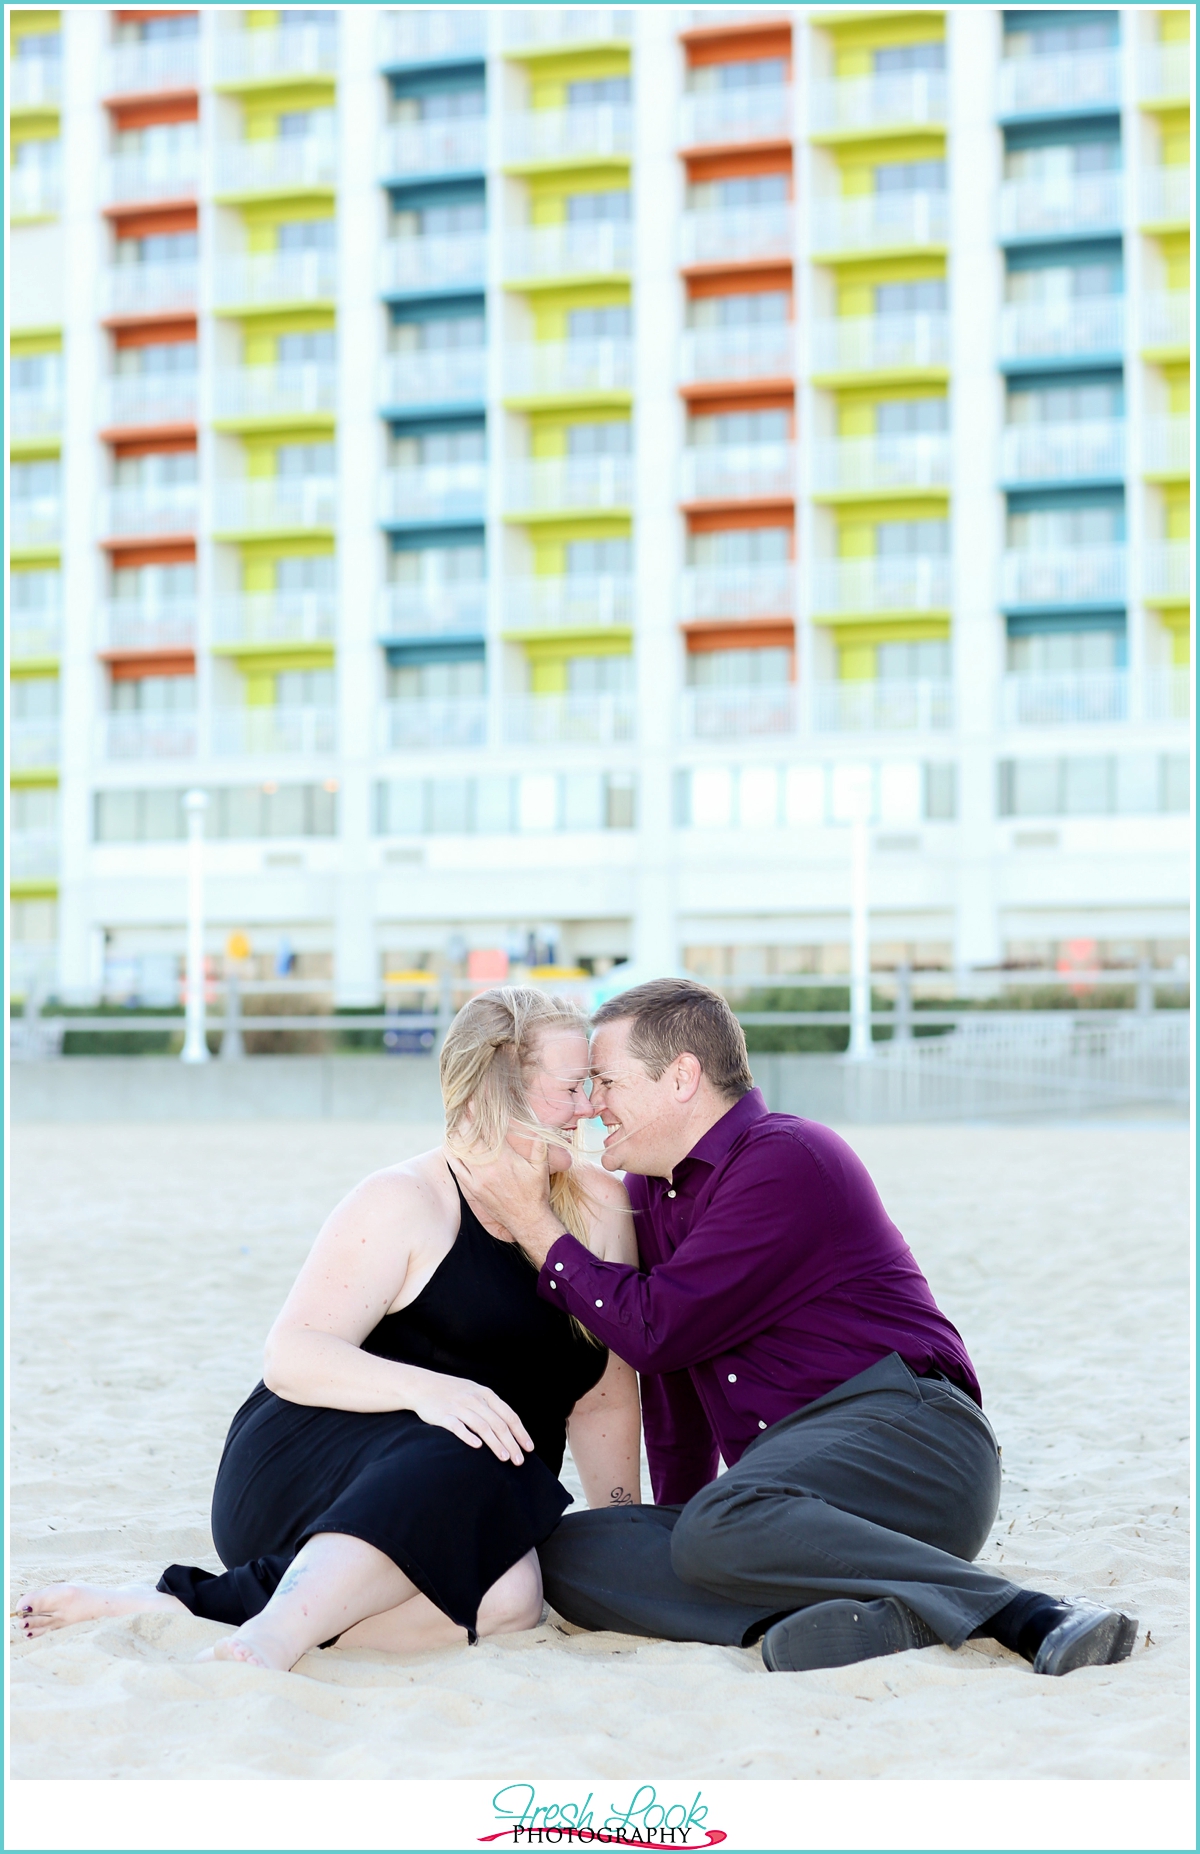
x,y
148,1264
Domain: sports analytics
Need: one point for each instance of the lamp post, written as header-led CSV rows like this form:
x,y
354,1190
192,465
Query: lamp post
x,y
853,797
195,1044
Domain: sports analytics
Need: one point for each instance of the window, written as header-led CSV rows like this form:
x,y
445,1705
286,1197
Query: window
x,y
754,309
1059,161
1066,404
33,698
1175,791
892,59
912,539
737,74
34,481
314,688
158,695
896,418
1034,529
496,804
1055,34
1051,283
304,460
599,208
307,235
739,428
157,359
160,141
611,324
267,810
38,45
735,547
155,470
36,592
157,28
300,124
155,585
768,667
159,248
466,445
319,345
453,681
941,791
44,157
589,92
605,438
306,573
436,566
1098,785
765,797
928,297
35,373
735,195
911,177
456,221
440,106
588,559
611,675
441,334
33,807
924,661
1065,653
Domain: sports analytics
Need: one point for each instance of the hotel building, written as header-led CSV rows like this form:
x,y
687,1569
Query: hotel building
x,y
541,472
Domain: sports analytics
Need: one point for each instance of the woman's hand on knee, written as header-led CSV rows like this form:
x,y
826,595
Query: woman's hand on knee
x,y
474,1414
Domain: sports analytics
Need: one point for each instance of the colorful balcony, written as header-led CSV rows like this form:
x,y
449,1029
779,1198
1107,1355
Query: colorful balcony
x,y
553,28
135,511
882,465
414,266
569,369
34,83
1167,322
275,505
863,222
35,636
1095,698
420,726
34,192
163,174
130,400
34,522
34,855
150,67
434,492
145,290
1166,72
1079,330
453,610
843,346
751,234
900,707
437,35
250,59
257,619
302,393
738,713
1092,576
569,720
36,415
882,584
1058,205
1083,451
1167,448
454,146
852,106
1167,195
555,486
1060,83
765,351
738,592
574,602
149,736
1168,572
738,473
279,164
147,625
434,377
275,279
548,253
33,745
251,733
759,113
548,137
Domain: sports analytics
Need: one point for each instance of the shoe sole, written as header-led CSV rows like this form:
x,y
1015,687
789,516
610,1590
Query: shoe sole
x,y
840,1632
1098,1640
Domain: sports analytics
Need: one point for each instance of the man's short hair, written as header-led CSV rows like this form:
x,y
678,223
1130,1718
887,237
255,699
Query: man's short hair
x,y
674,1017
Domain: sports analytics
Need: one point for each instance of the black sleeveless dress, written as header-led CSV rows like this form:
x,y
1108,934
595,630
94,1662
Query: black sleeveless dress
x,y
452,1517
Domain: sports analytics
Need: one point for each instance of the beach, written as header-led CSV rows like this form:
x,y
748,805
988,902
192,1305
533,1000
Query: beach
x,y
149,1261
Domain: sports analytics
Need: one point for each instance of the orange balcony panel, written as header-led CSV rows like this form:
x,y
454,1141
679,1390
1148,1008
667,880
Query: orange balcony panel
x,y
132,665
705,634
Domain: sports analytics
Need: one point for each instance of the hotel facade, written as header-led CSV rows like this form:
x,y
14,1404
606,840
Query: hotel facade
x,y
542,473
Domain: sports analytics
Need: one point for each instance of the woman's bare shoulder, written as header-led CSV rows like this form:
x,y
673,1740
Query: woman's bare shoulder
x,y
411,1186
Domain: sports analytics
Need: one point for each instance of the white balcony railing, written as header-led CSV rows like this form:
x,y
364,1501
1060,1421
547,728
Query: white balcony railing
x,y
35,521
551,25
415,264
1061,203
33,744
413,727
34,192
917,461
724,714
556,134
148,65
895,99
426,36
1064,576
725,236
1060,81
1166,73
574,601
898,707
1168,570
1167,195
604,249
879,221
569,720
129,399
759,112
158,174
763,352
33,854
880,343
37,414
735,592
735,472
1167,319
1166,695
34,83
1094,696
453,146
35,634
536,367
543,483
455,609
254,279
434,491
1167,446
267,392
248,732
149,736
150,289
276,164
883,583
275,504
1072,328
305,50
164,508
433,376
1078,451
143,624
275,617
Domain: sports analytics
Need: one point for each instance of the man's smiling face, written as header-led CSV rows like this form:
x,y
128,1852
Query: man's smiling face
x,y
640,1114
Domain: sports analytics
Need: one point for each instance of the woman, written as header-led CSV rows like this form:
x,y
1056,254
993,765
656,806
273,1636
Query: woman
x,y
388,1482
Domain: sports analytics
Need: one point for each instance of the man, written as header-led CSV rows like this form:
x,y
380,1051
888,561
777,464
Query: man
x,y
778,1320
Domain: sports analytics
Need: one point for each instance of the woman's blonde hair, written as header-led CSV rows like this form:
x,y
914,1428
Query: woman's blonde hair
x,y
489,1049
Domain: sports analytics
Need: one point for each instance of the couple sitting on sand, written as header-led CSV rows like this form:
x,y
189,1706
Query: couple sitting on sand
x,y
393,1481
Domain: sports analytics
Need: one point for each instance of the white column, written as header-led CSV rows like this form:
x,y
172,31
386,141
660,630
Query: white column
x,y
360,544
658,430
81,693
195,1045
860,944
977,509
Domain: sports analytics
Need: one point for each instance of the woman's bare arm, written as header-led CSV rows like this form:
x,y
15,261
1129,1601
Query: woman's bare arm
x,y
605,1427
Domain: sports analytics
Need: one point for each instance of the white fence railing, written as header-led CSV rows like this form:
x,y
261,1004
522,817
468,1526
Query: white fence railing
x,y
137,624
1061,80
34,82
569,483
1167,319
1095,696
724,235
1081,449
1167,446
169,508
249,732
875,343
277,163
738,714
148,736
431,262
159,174
557,134
919,461
735,472
148,65
762,352
883,583
566,26
897,99
882,707
1167,195
535,367
35,634
293,50
265,505
37,414
1168,570
33,854
261,392
275,617
454,145
731,116
254,279
33,743
427,35
1063,575
734,592
566,720
1062,203
409,727
433,376
149,399
1167,71
150,289
605,249
574,601
1086,325
434,491
450,610
34,521
879,221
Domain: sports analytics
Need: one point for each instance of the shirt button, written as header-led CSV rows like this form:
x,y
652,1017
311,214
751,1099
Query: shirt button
x,y
558,1268
599,1303
553,1285
762,1425
670,1193
733,1377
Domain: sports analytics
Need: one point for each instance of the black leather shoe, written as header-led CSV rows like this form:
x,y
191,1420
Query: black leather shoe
x,y
836,1633
1090,1636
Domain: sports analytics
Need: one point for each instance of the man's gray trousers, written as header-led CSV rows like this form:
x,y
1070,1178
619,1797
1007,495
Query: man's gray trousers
x,y
885,1487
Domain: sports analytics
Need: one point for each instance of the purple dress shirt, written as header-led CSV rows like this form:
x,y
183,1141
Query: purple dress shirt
x,y
771,1273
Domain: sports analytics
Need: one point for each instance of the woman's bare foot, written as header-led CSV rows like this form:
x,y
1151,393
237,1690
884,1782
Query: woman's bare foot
x,y
256,1646
57,1606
